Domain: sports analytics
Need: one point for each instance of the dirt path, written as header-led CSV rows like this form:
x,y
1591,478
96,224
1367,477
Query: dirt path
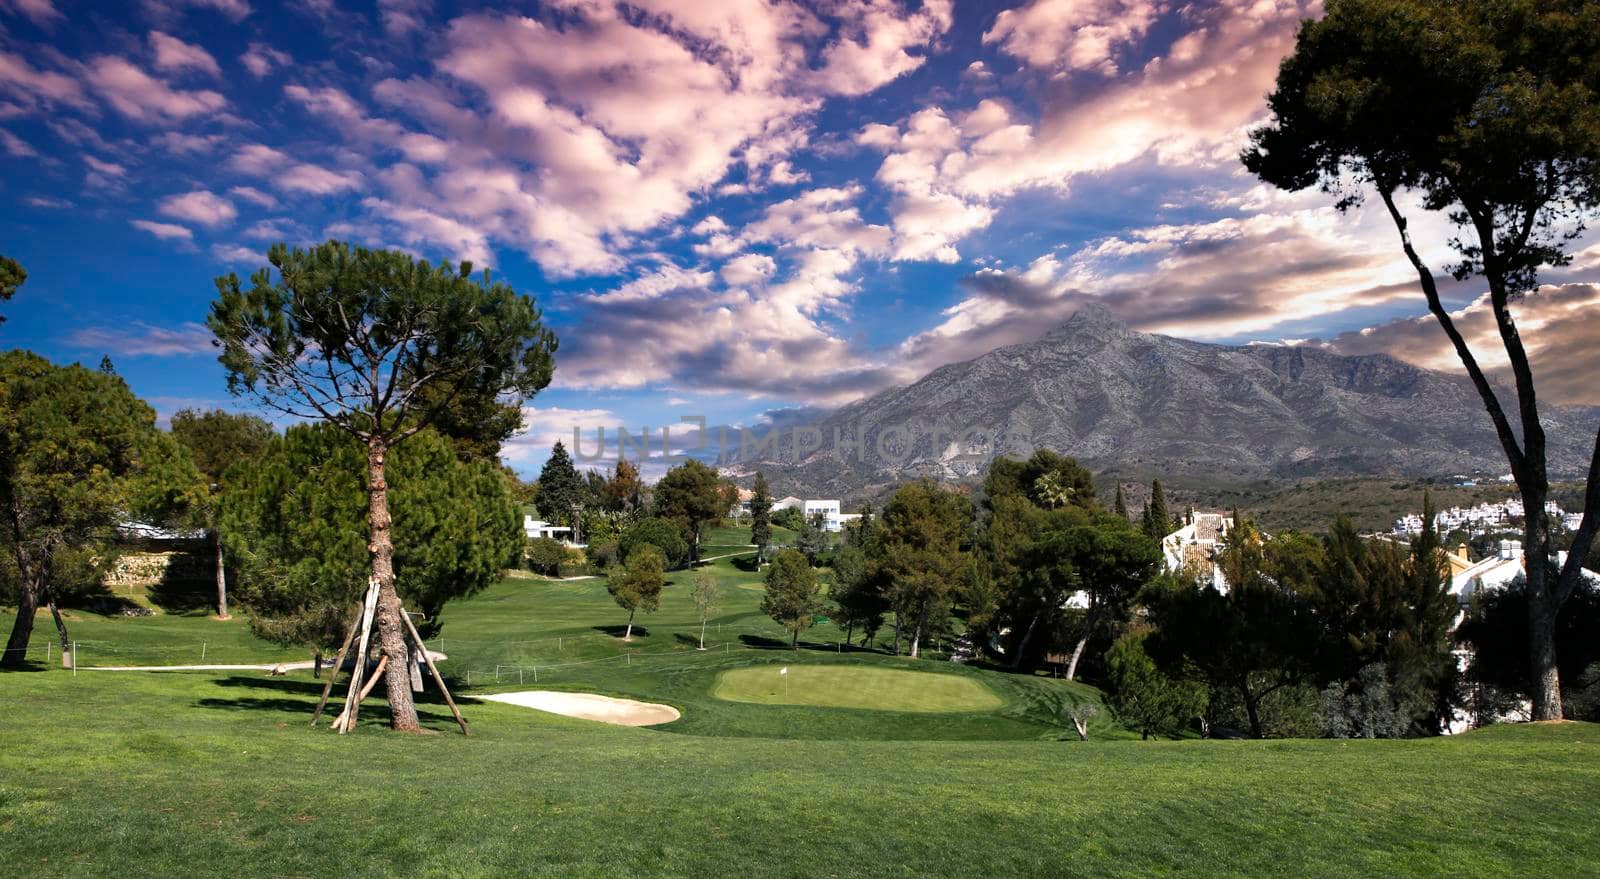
x,y
298,665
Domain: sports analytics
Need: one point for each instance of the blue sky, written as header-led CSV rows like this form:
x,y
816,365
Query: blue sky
x,y
725,207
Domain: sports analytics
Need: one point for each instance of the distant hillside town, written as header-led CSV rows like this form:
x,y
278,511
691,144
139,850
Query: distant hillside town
x,y
1485,518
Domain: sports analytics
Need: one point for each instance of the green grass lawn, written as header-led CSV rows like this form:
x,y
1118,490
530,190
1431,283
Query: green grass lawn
x,y
195,774
854,686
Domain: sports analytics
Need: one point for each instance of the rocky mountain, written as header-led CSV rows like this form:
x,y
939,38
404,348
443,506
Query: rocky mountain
x,y
1137,403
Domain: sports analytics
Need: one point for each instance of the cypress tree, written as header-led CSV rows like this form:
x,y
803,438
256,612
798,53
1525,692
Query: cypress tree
x,y
760,514
560,487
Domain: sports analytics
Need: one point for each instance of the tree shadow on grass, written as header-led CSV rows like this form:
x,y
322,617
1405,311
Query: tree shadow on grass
x,y
746,563
639,630
309,691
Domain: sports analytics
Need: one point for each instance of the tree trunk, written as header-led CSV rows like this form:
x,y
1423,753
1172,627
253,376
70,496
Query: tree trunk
x,y
391,633
61,625
1089,621
1077,653
850,632
22,629
222,580
1251,709
1027,636
1542,608
16,654
628,636
794,640
897,633
1546,678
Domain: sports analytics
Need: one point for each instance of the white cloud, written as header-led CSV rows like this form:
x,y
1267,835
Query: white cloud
x,y
238,254
200,206
140,339
164,231
751,268
254,196
314,179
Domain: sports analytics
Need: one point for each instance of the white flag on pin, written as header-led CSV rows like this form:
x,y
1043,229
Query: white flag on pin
x,y
784,670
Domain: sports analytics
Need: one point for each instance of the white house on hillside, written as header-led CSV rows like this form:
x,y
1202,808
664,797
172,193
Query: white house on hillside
x,y
1194,547
828,510
540,528
787,503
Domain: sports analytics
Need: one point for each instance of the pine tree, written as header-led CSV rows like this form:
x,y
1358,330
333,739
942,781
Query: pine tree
x,y
561,489
78,454
793,596
760,514
1121,505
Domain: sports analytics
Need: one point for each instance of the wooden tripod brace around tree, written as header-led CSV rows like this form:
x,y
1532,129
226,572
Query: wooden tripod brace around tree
x,y
346,721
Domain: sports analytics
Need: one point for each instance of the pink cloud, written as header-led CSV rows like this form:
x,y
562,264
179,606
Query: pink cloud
x,y
139,96
173,54
1073,34
261,59
15,146
40,12
22,81
257,159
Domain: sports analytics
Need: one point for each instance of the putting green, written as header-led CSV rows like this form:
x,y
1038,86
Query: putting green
x,y
847,686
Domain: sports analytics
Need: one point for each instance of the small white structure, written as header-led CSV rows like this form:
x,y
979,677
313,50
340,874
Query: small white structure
x,y
827,510
540,528
1501,569
1194,547
790,502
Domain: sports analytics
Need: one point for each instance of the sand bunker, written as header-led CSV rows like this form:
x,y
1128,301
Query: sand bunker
x,y
589,706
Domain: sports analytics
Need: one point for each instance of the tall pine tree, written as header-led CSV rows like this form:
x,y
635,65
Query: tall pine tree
x,y
760,513
561,489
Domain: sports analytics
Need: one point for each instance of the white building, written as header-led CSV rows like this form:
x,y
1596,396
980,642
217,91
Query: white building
x,y
540,528
787,503
1195,545
828,511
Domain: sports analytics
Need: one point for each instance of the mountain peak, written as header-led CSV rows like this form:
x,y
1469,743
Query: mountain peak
x,y
1092,319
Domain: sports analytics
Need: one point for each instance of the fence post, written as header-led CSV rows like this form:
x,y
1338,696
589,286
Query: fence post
x,y
497,674
469,678
536,674
202,651
519,677
47,652
74,658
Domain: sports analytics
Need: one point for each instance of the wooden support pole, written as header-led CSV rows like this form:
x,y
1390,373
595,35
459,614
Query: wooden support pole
x,y
377,674
347,718
338,664
434,671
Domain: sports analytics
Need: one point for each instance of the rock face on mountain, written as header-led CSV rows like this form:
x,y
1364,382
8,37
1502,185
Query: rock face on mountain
x,y
1134,402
